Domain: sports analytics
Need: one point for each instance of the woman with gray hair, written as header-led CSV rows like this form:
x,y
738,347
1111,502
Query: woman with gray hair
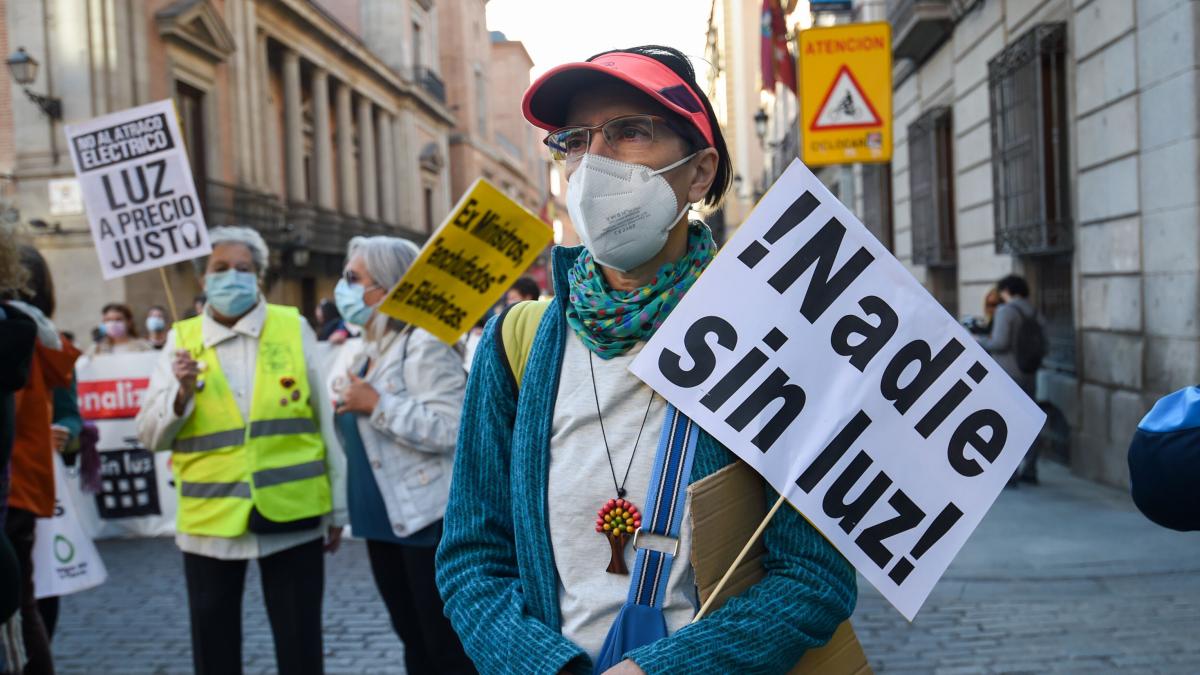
x,y
398,411
236,399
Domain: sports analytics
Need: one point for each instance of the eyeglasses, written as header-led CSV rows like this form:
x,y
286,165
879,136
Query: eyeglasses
x,y
630,137
352,278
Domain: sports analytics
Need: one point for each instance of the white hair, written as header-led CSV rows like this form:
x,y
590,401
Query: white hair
x,y
386,258
245,236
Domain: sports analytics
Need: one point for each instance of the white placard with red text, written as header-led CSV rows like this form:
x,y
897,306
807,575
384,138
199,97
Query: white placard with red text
x,y
809,350
137,497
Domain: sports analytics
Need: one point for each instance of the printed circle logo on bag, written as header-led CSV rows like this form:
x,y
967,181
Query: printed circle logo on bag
x,y
62,544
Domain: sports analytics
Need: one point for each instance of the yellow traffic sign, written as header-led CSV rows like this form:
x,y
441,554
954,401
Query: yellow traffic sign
x,y
846,94
486,242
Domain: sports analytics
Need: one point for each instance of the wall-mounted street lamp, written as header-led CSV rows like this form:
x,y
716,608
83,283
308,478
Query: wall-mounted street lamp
x,y
760,124
23,69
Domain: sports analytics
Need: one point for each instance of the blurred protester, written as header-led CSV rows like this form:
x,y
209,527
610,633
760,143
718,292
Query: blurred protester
x,y
197,307
18,335
1018,343
119,333
31,493
524,288
157,326
1164,461
397,415
982,325
545,448
237,397
330,325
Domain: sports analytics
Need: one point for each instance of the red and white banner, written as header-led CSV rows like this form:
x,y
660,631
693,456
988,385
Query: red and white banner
x,y
137,495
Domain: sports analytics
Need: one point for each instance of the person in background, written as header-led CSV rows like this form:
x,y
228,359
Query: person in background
x,y
18,335
397,417
237,397
157,326
1001,343
524,288
198,303
330,325
32,488
119,332
521,566
982,325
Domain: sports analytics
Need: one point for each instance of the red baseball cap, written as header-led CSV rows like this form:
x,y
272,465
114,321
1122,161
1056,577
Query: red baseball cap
x,y
545,103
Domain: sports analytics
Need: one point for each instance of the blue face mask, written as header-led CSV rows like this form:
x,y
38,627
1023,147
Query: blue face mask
x,y
350,303
231,293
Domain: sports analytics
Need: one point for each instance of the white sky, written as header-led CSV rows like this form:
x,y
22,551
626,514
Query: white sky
x,y
558,31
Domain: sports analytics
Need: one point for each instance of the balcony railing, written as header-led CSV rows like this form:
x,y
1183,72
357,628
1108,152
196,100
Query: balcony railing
x,y
226,204
296,225
920,26
430,82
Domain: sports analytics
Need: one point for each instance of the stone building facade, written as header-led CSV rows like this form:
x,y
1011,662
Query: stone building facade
x,y
311,122
1061,141
487,75
734,88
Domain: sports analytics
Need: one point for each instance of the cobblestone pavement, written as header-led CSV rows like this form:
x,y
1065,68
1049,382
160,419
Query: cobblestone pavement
x,y
1064,577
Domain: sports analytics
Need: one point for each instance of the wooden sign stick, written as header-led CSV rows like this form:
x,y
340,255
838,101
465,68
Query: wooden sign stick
x,y
738,560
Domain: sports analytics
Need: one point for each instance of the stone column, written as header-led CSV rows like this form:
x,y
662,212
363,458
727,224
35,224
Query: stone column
x,y
345,151
293,125
368,178
322,144
387,168
405,166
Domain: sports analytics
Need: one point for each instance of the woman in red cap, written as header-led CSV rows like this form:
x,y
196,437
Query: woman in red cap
x,y
558,467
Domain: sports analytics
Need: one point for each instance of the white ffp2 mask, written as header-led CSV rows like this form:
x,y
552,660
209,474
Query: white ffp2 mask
x,y
622,212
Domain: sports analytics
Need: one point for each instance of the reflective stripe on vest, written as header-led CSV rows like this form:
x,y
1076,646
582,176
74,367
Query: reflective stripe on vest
x,y
224,439
262,479
214,490
221,439
287,474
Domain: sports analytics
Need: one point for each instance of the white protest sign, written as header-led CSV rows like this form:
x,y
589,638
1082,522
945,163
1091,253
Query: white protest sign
x,y
137,186
808,350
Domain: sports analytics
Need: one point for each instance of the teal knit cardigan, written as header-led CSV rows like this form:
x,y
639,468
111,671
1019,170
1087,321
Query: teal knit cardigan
x,y
495,565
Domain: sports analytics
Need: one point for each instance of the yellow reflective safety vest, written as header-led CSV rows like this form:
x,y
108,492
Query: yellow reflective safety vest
x,y
225,466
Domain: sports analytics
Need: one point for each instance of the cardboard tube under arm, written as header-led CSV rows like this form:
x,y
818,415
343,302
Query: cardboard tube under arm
x,y
738,560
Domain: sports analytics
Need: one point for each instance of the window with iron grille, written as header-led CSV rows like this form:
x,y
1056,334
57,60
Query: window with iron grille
x,y
1050,285
877,201
931,189
1030,169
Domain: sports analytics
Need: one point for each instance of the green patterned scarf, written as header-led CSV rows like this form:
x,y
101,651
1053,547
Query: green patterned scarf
x,y
611,322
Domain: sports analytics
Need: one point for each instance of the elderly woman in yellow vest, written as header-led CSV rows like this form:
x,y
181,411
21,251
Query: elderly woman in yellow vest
x,y
238,400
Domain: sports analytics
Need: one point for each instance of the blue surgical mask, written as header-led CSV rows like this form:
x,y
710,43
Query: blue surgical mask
x,y
156,324
350,303
231,293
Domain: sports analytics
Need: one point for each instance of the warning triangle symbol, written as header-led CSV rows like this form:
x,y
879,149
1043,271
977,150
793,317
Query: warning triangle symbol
x,y
845,106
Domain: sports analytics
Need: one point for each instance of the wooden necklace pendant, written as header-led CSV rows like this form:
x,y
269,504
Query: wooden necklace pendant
x,y
617,520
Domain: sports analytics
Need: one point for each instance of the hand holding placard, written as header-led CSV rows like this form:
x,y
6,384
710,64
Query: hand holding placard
x,y
808,350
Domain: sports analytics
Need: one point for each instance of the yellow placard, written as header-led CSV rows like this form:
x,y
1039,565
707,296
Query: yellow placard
x,y
487,241
846,94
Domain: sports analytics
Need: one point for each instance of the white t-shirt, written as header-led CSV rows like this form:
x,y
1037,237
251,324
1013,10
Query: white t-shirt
x,y
581,482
